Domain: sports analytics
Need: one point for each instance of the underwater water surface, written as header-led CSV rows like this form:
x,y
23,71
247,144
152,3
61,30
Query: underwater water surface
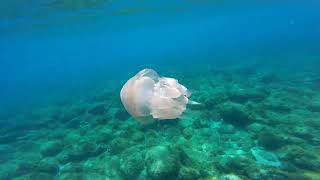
x,y
254,67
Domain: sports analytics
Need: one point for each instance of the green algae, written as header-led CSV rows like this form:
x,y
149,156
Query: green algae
x,y
253,127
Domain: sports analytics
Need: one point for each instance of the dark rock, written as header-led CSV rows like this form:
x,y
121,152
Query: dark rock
x,y
162,163
121,114
188,173
239,165
48,166
256,127
271,141
102,97
200,123
301,158
307,163
226,129
84,150
25,167
235,114
247,70
41,176
303,132
117,145
278,106
74,123
51,148
213,100
97,110
138,137
8,138
132,163
242,96
104,137
269,78
314,107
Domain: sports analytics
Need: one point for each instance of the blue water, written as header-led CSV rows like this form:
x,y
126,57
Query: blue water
x,y
49,51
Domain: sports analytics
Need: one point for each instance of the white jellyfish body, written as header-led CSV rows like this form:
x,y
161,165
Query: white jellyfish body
x,y
148,96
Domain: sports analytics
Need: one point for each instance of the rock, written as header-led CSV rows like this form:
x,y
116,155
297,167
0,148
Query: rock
x,y
132,163
239,165
301,158
188,132
25,167
265,158
83,150
241,96
188,173
230,177
104,136
200,123
41,176
269,78
8,138
121,114
314,107
51,148
277,105
162,163
97,110
67,176
48,166
303,132
226,129
271,141
138,137
256,127
235,114
117,145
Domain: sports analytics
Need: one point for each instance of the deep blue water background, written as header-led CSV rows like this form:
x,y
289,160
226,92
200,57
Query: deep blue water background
x,y
44,54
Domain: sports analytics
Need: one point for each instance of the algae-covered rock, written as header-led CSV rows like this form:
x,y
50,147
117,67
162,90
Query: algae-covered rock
x,y
67,176
269,78
271,141
314,106
212,99
48,166
25,167
40,176
51,148
240,95
303,132
162,163
239,165
235,114
119,144
83,150
230,177
104,136
132,163
265,158
121,114
97,109
256,127
188,173
226,129
302,158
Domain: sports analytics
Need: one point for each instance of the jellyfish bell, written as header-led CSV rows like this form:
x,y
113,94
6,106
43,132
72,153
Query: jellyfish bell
x,y
148,97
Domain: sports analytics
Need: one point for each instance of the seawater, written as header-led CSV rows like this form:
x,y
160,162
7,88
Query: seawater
x,y
253,66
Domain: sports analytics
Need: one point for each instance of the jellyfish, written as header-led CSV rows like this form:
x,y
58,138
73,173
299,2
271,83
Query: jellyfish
x,y
148,97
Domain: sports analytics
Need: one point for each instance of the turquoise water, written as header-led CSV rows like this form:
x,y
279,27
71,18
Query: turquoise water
x,y
253,66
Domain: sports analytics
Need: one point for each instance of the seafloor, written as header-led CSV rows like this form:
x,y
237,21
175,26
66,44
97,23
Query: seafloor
x,y
253,123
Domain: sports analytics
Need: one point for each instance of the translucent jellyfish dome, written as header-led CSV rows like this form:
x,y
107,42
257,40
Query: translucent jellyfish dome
x,y
147,96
